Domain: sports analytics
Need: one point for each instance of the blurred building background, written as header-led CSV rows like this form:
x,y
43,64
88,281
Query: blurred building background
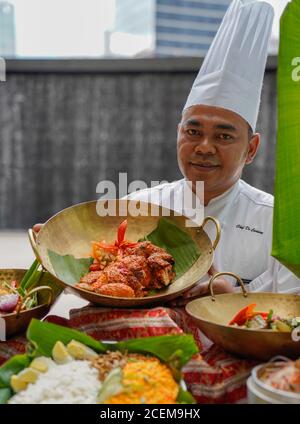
x,y
187,28
104,97
166,27
113,28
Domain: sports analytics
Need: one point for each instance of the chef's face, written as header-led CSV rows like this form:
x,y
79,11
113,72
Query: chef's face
x,y
213,146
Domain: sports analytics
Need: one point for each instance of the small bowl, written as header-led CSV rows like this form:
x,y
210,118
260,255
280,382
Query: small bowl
x,y
260,392
17,322
213,314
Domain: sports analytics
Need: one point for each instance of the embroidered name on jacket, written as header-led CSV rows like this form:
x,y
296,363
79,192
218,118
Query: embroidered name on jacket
x,y
247,228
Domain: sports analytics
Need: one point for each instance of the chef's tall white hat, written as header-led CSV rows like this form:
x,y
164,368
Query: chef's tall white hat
x,y
231,75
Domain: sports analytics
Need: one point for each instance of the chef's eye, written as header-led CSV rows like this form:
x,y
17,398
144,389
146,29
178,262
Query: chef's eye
x,y
192,132
225,136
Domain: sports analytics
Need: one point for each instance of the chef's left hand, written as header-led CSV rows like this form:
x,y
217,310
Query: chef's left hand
x,y
220,285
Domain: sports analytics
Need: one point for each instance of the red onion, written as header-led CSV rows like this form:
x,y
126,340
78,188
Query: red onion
x,y
8,302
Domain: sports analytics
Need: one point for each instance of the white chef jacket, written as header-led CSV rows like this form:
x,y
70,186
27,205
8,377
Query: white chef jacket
x,y
245,214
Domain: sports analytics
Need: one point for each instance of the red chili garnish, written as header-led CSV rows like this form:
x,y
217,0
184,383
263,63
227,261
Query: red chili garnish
x,y
247,313
118,245
243,315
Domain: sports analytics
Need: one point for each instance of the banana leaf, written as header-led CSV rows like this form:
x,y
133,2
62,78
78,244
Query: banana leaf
x,y
68,268
175,350
184,397
167,235
170,349
13,366
176,242
43,335
286,229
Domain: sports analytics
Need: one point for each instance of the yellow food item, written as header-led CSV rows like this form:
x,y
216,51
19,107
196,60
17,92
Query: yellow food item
x,y
60,353
41,364
146,381
28,375
283,327
16,384
79,351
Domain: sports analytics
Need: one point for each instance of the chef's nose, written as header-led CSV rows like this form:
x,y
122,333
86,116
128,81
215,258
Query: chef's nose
x,y
205,147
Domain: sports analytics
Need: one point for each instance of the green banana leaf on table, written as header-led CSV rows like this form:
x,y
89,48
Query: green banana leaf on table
x,y
174,350
286,223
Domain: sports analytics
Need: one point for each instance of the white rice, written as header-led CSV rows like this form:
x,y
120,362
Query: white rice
x,y
76,382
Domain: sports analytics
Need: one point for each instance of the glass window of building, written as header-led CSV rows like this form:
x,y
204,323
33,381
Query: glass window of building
x,y
113,28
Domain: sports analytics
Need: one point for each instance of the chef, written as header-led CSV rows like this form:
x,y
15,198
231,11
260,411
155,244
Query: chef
x,y
216,138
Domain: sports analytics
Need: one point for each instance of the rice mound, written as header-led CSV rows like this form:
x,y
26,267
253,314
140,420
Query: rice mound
x,y
75,382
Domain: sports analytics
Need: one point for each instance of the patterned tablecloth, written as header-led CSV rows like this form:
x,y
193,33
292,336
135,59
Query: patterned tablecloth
x,y
212,376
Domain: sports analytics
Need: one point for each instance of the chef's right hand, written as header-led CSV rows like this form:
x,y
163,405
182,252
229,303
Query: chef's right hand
x,y
37,227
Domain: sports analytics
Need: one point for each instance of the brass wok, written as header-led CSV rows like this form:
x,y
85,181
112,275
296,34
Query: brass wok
x,y
212,314
72,230
48,290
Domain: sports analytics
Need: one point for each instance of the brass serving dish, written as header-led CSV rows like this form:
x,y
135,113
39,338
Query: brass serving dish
x,y
17,322
213,313
72,230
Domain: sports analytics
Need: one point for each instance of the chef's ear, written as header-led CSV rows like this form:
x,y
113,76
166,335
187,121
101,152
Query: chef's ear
x,y
253,146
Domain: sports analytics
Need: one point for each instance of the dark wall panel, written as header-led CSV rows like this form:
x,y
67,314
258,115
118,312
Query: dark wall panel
x,y
61,133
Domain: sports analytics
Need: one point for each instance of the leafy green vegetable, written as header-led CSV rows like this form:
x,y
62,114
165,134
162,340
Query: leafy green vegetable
x,y
68,268
34,278
176,242
270,316
30,278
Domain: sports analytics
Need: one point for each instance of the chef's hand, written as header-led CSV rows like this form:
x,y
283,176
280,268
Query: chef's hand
x,y
220,286
37,227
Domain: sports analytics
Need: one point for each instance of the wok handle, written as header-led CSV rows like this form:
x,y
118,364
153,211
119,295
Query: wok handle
x,y
231,274
32,239
218,228
35,290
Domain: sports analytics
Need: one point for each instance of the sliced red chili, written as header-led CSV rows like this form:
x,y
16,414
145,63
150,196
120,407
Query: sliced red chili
x,y
243,315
